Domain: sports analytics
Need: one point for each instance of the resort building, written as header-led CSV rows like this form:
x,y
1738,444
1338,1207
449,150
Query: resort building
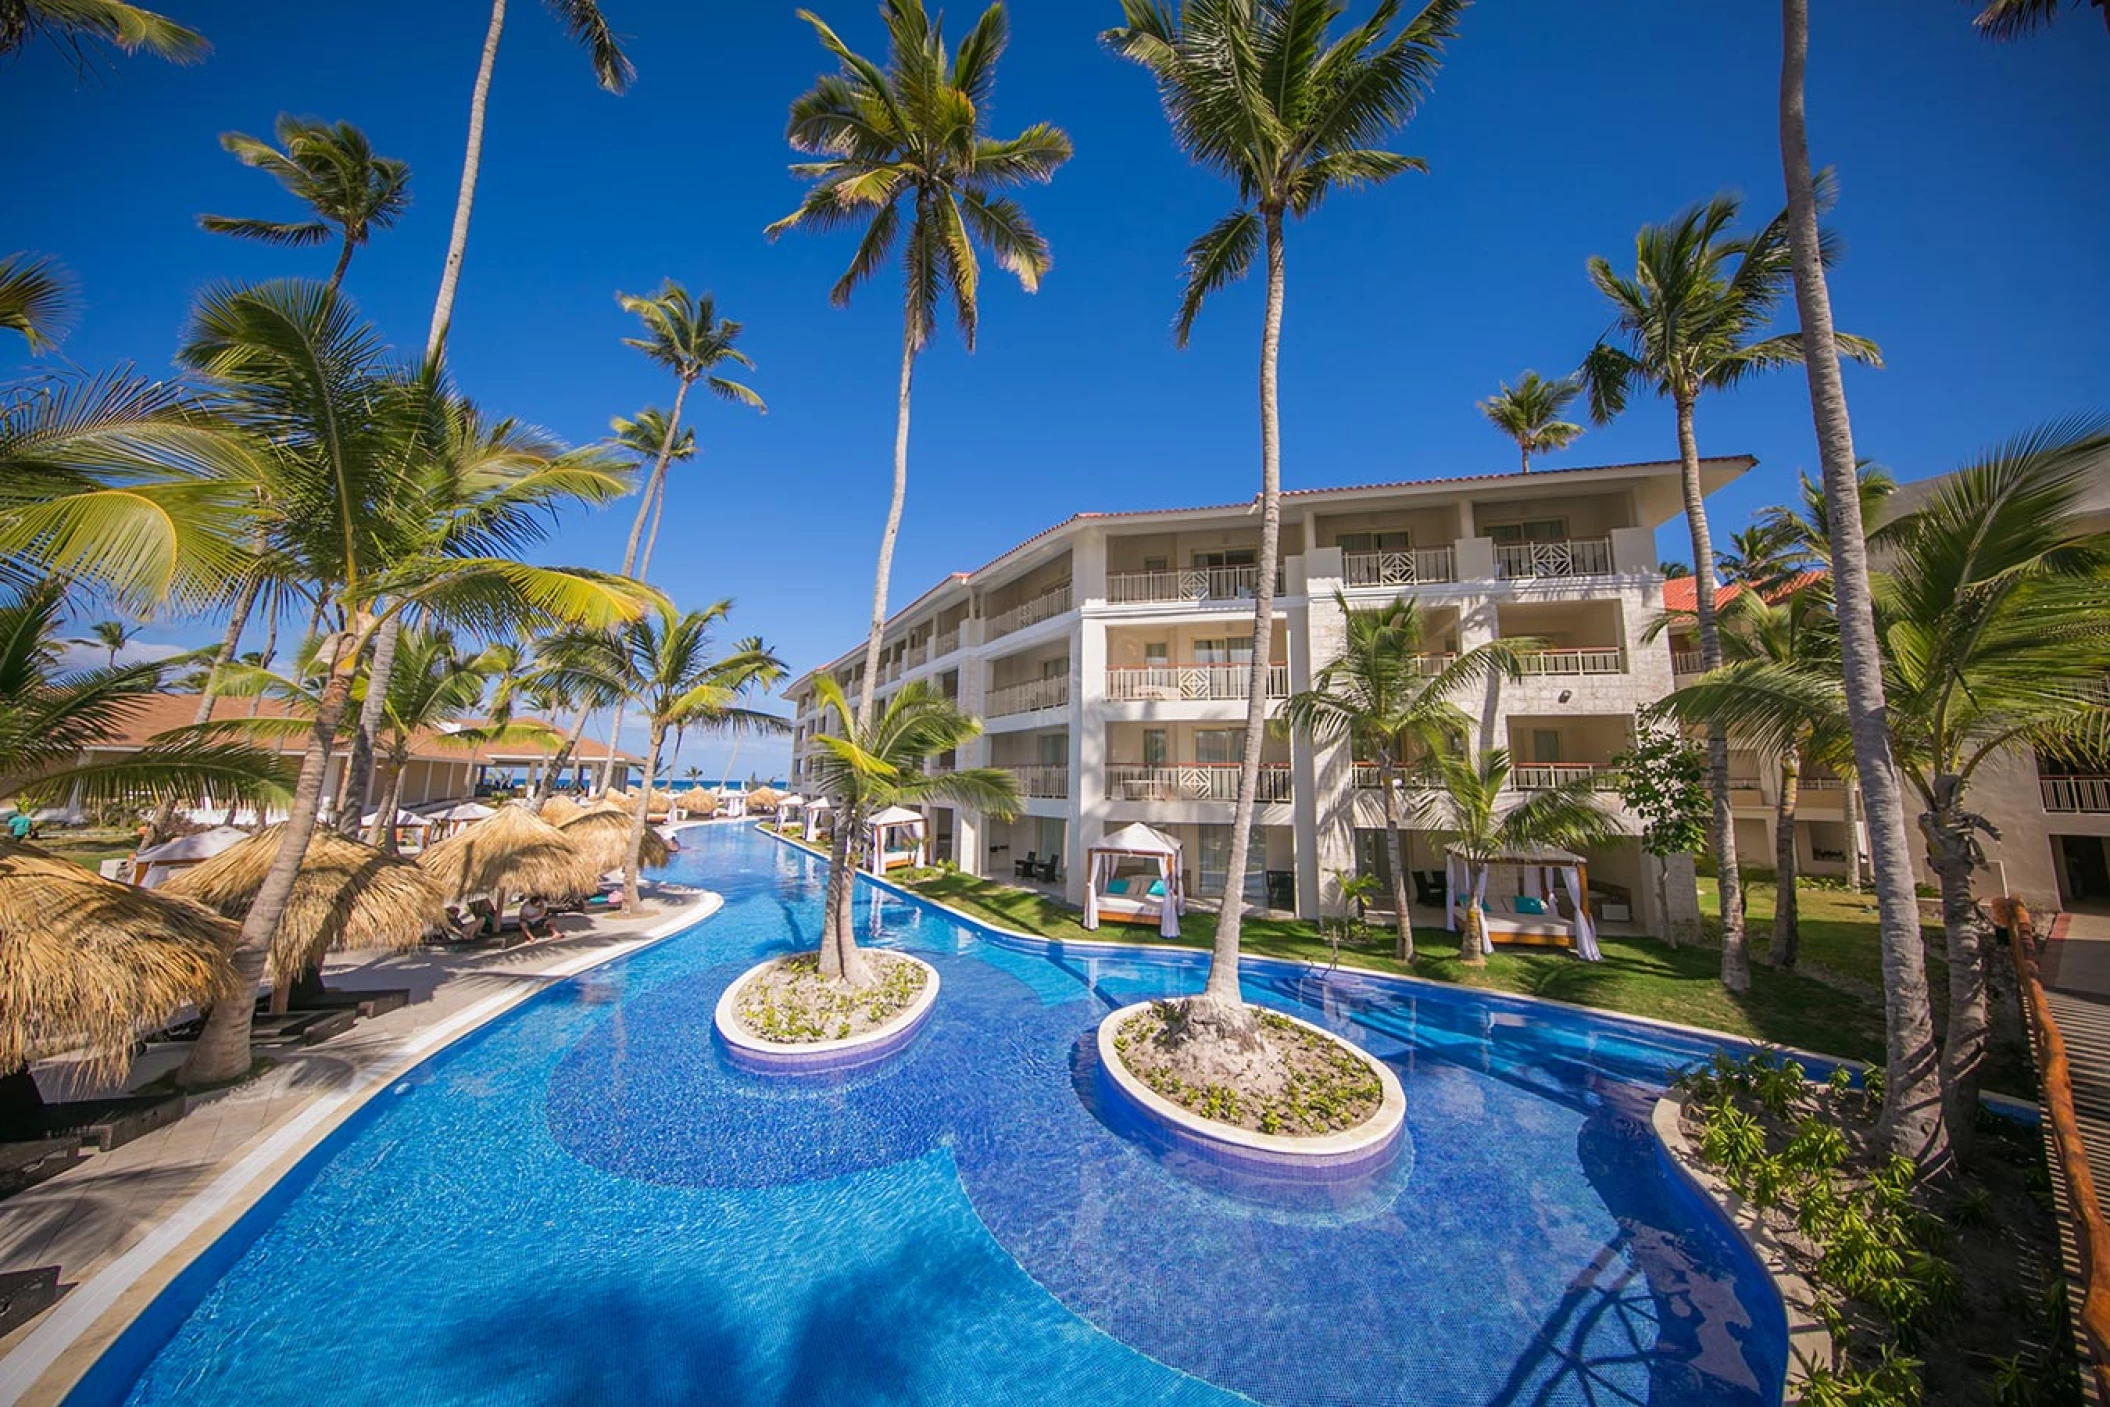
x,y
1109,659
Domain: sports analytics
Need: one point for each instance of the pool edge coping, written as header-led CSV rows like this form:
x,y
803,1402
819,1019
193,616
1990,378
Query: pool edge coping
x,y
44,1368
1809,1341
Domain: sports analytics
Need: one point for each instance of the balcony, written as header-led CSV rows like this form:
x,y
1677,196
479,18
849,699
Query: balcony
x,y
1042,779
946,642
1408,568
1683,662
1369,778
2076,795
1042,607
1568,663
1575,556
1190,683
1029,697
1200,781
1544,776
1194,584
916,655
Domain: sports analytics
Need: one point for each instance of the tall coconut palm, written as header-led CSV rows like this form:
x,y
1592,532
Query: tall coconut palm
x,y
1379,697
36,299
646,437
1911,1121
359,450
665,663
583,21
331,168
109,636
1480,821
1693,318
1762,556
913,134
865,768
1530,413
1254,91
685,335
73,25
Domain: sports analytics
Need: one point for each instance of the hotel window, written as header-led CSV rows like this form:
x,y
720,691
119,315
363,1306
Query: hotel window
x,y
1374,542
1215,861
1226,651
1219,746
1157,564
1157,655
1529,530
1545,746
1155,753
1229,557
1054,749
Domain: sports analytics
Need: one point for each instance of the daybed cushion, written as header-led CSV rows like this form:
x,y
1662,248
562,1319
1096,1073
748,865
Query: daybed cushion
x,y
1117,886
1530,904
1157,889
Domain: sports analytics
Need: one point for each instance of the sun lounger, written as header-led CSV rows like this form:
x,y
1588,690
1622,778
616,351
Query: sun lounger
x,y
360,1002
24,1294
306,1027
29,1161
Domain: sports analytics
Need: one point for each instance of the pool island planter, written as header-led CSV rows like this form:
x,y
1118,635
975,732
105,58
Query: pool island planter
x,y
1333,1157
766,1057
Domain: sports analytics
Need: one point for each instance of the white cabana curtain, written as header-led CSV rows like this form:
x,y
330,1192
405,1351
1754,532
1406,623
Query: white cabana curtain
x,y
815,814
882,832
1536,879
1585,932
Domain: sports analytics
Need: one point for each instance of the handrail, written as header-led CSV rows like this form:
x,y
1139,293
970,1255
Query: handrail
x,y
2091,1234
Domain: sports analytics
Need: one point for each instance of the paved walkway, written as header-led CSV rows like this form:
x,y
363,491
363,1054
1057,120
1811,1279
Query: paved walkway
x,y
131,1208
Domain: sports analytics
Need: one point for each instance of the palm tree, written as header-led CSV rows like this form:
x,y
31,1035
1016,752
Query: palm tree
x,y
1254,91
1467,811
865,768
913,133
2018,19
644,438
664,662
686,336
361,445
332,169
75,24
1911,1122
1530,413
36,300
1761,556
1377,695
582,20
1692,319
110,636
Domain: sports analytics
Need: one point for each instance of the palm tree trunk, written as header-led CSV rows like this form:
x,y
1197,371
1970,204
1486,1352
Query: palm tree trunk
x,y
547,782
359,768
1472,947
885,571
237,622
1787,933
841,958
1912,1115
1524,453
1223,1007
222,1051
458,240
1736,961
659,507
1397,855
615,733
1952,855
344,261
655,484
391,799
632,862
1852,805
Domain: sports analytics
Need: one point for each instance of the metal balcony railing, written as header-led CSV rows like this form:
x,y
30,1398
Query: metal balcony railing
x,y
1408,568
1575,556
1368,778
1193,584
1198,781
1042,779
1033,612
1543,776
1191,683
2081,795
1686,662
1029,697
1573,662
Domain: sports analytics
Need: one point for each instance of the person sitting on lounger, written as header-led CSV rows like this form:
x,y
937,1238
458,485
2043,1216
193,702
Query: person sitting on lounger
x,y
534,918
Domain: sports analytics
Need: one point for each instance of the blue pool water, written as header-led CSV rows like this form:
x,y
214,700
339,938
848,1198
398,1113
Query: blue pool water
x,y
585,1202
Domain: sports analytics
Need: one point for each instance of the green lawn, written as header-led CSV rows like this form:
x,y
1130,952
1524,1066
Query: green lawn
x,y
1838,930
88,850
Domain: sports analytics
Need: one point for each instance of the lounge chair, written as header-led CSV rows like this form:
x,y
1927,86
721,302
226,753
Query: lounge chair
x,y
24,1294
1023,869
28,1161
26,1118
1046,870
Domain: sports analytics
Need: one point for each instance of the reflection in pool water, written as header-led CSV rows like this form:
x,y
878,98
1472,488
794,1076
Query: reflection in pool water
x,y
586,1202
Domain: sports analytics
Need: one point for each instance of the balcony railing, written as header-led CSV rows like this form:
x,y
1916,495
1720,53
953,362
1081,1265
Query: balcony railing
x,y
1544,776
1434,663
1415,565
917,655
1029,697
1191,682
1572,662
1043,779
1200,781
946,643
2086,795
1575,556
1686,662
1033,612
1194,584
1368,778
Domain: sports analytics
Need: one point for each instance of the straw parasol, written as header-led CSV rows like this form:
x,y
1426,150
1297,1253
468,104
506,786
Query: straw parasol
x,y
603,833
559,809
349,895
515,852
85,961
763,799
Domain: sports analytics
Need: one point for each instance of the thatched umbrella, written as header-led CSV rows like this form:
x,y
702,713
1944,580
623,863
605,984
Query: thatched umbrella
x,y
89,963
763,799
559,809
603,832
349,895
515,852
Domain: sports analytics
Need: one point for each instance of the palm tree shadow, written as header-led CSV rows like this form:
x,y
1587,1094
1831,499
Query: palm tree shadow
x,y
1564,979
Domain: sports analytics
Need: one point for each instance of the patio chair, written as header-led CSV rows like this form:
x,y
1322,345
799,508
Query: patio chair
x,y
1023,869
1429,888
1046,871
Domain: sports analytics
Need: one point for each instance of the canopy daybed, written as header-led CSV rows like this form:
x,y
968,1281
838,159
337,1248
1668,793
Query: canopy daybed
x,y
1532,914
894,840
790,810
1133,876
733,801
820,814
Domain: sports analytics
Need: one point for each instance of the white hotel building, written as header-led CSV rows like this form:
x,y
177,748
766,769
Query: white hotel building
x,y
1108,658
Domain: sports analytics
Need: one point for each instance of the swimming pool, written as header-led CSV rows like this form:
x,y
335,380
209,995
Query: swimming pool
x,y
585,1202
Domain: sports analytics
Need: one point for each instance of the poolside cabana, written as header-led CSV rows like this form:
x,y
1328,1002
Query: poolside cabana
x,y
894,840
446,822
791,808
764,800
1134,876
820,815
157,862
1532,914
733,801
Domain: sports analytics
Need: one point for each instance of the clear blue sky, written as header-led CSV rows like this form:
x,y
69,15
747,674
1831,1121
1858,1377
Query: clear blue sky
x,y
1976,206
